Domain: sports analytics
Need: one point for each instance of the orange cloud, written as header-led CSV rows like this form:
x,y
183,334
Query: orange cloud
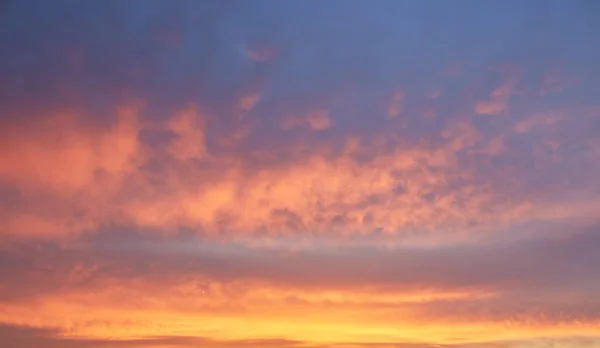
x,y
223,317
77,167
382,184
120,300
56,154
190,142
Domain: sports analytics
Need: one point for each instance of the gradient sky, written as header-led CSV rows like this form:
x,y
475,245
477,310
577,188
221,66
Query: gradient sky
x,y
299,174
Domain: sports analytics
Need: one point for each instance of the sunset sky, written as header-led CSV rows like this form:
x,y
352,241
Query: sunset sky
x,y
299,174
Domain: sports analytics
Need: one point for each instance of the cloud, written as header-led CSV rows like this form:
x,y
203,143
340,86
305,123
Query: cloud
x,y
189,180
452,69
555,80
434,94
20,337
498,99
216,174
23,336
37,153
527,124
190,142
492,107
191,283
63,158
261,52
319,120
396,104
248,101
521,265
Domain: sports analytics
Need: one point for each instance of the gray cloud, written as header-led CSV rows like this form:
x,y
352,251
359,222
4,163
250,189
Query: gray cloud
x,y
553,278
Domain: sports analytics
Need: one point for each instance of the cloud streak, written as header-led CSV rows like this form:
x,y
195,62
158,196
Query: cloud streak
x,y
496,286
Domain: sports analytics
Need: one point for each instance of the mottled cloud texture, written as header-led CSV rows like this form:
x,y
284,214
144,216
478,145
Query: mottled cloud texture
x,y
286,174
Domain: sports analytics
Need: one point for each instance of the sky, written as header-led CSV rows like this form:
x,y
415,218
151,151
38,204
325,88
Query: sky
x,y
300,174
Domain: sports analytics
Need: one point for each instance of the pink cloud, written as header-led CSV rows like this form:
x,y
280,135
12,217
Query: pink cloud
x,y
317,120
396,104
261,52
498,99
527,124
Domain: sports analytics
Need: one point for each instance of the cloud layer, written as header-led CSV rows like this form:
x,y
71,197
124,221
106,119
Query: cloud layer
x,y
307,174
